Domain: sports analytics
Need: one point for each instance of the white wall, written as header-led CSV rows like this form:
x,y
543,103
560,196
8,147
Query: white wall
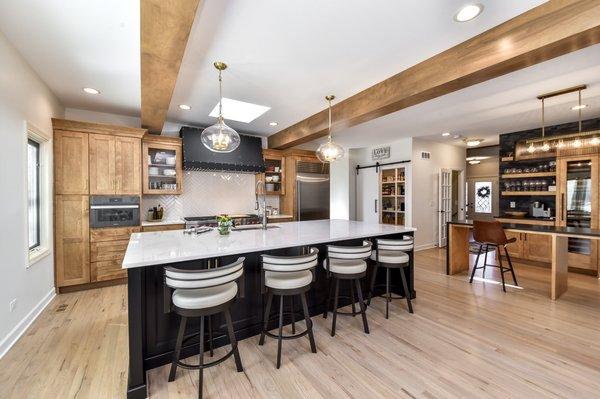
x,y
425,177
83,115
23,98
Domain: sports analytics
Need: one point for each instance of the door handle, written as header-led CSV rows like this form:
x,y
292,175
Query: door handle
x,y
376,205
563,211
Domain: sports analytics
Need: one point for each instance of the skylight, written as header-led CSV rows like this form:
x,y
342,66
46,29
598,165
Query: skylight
x,y
239,111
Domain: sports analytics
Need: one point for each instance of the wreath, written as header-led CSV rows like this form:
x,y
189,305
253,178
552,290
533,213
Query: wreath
x,y
483,192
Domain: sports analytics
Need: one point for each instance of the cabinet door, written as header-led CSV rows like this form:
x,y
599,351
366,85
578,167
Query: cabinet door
x,y
537,247
515,249
156,182
72,240
128,167
102,164
70,162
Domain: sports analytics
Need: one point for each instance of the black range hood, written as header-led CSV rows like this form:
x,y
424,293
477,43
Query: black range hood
x,y
246,158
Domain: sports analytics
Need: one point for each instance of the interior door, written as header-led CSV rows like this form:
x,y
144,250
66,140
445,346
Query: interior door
x,y
367,196
482,197
444,204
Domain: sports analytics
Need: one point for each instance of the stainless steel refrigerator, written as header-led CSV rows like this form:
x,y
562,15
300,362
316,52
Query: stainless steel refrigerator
x,y
312,191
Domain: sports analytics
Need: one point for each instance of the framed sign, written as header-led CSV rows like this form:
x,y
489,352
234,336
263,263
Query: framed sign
x,y
380,153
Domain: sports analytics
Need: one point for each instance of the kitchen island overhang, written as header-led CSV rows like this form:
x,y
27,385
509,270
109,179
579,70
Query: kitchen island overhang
x,y
152,328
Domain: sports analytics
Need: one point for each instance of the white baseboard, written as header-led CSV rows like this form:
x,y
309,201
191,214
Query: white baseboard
x,y
24,324
423,247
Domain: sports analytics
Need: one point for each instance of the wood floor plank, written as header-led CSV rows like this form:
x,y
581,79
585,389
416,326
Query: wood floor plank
x,y
463,341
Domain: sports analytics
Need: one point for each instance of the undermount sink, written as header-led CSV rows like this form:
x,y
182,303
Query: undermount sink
x,y
253,227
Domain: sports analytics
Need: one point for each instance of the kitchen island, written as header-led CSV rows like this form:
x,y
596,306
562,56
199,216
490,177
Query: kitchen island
x,y
152,328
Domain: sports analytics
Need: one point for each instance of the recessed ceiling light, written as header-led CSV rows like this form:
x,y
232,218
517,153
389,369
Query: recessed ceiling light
x,y
273,123
239,110
474,162
456,136
578,107
473,142
91,90
185,107
468,12
446,134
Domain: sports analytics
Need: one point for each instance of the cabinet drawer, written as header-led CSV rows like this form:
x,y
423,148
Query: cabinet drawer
x,y
107,270
113,233
108,250
164,227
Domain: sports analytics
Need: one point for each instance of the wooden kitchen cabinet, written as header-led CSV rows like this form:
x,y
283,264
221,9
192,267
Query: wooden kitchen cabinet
x,y
156,150
70,162
515,249
71,226
164,227
107,249
115,165
537,247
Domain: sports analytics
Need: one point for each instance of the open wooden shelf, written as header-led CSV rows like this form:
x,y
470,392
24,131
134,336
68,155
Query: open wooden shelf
x,y
526,175
529,193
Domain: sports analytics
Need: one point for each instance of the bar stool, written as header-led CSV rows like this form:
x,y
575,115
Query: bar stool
x,y
202,293
346,263
288,276
492,233
390,254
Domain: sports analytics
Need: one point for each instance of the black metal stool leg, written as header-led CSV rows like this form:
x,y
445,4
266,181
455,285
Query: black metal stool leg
x,y
201,359
502,274
406,291
475,265
352,299
372,286
279,337
311,337
329,290
363,307
512,270
292,314
335,305
233,341
210,336
261,341
388,294
177,352
487,248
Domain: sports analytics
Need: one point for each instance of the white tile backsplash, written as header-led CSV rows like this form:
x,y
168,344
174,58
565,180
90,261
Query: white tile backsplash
x,y
209,193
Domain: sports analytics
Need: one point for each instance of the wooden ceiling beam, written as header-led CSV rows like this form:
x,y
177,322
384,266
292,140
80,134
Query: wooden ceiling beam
x,y
165,28
550,30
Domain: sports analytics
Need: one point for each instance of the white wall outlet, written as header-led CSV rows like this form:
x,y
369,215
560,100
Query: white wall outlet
x,y
13,304
513,204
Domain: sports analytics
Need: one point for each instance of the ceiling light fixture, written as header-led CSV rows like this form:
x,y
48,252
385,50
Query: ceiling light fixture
x,y
473,142
578,107
220,137
474,162
91,90
329,151
446,134
184,107
273,123
468,12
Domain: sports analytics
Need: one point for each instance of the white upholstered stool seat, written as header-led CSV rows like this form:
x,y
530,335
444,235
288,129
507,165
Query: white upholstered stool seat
x,y
288,280
201,298
387,256
345,266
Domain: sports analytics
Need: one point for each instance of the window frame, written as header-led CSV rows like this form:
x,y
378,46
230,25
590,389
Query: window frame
x,y
44,142
38,190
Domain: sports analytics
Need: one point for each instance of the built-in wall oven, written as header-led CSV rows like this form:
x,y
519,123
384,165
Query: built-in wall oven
x,y
114,211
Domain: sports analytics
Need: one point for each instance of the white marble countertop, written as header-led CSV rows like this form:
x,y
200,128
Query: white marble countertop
x,y
163,222
162,247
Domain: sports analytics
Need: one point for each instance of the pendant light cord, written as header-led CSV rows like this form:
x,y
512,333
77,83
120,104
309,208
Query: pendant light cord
x,y
579,111
543,120
220,97
329,120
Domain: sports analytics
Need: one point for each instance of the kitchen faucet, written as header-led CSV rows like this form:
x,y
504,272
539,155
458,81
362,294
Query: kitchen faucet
x,y
257,207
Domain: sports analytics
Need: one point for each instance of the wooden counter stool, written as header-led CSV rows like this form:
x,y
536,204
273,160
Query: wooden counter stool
x,y
346,263
392,254
491,233
288,276
202,293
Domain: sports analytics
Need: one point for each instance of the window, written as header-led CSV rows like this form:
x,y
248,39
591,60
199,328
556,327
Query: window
x,y
33,194
483,197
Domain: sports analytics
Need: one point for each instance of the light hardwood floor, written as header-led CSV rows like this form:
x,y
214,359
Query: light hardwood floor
x,y
463,341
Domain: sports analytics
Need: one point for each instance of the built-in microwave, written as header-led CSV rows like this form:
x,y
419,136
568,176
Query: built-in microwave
x,y
114,211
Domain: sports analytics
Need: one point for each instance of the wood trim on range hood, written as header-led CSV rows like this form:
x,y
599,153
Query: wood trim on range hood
x,y
550,30
165,28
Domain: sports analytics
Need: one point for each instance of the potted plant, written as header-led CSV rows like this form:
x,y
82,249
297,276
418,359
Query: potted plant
x,y
224,224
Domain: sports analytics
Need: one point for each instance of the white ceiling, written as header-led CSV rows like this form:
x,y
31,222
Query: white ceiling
x,y
73,44
502,105
289,54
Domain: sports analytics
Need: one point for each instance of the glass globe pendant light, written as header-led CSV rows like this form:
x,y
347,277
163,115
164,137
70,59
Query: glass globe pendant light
x,y
329,151
220,137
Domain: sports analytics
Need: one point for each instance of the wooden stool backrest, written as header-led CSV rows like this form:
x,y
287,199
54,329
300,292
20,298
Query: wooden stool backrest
x,y
490,232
